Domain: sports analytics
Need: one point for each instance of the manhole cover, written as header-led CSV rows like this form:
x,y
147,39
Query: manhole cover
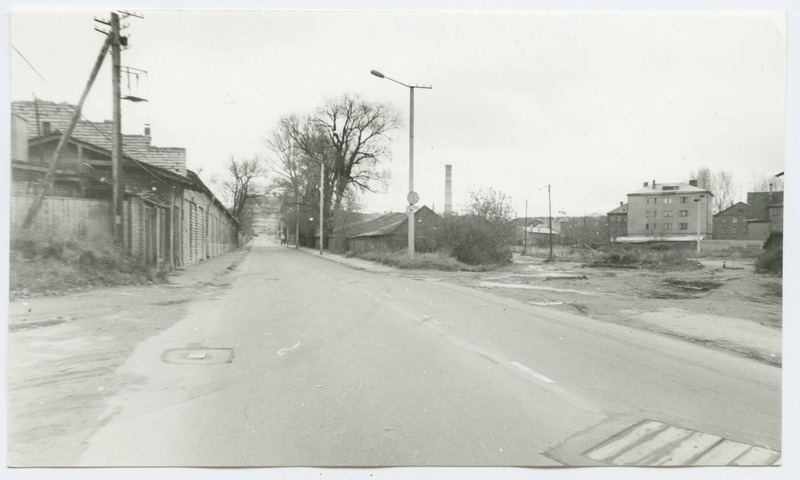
x,y
198,355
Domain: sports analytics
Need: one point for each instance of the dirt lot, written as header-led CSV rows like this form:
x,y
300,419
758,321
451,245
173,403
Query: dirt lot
x,y
733,308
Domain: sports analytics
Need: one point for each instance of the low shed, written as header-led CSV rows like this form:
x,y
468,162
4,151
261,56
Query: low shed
x,y
387,233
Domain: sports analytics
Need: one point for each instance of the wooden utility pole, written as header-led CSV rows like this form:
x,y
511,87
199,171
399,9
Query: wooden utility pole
x,y
48,177
296,220
117,192
321,204
525,230
550,219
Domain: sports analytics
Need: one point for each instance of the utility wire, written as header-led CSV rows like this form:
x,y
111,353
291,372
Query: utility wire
x,y
93,124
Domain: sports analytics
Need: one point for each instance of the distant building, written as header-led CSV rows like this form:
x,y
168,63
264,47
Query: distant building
x,y
618,222
386,233
731,223
538,235
262,216
764,215
669,212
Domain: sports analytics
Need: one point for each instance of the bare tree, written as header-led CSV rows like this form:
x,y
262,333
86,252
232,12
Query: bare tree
x,y
298,147
724,190
490,204
358,133
705,178
719,183
241,183
766,183
348,135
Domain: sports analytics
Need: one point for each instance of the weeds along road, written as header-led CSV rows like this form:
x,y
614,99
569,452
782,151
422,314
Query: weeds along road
x,y
303,361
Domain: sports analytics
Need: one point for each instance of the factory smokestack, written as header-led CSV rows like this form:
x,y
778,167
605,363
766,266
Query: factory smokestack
x,y
448,189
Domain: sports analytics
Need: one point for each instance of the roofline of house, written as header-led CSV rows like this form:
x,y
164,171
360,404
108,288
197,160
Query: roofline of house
x,y
667,192
161,171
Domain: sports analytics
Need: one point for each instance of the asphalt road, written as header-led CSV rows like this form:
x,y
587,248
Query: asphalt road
x,y
308,362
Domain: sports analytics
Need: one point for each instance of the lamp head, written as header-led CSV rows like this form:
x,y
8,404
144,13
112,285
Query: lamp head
x,y
377,73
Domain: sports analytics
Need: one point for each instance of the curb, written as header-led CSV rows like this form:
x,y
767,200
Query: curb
x,y
337,258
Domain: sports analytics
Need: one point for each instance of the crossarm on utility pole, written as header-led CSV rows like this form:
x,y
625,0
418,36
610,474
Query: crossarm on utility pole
x,y
37,203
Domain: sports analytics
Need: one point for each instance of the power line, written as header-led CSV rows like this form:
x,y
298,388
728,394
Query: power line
x,y
37,71
93,124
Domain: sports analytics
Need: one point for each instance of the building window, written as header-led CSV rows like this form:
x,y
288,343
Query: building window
x,y
723,230
683,213
668,213
776,212
733,230
734,220
655,213
684,199
647,226
648,200
667,226
684,226
647,213
668,200
724,220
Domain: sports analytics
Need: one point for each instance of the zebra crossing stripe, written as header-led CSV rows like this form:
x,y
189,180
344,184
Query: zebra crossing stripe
x,y
652,443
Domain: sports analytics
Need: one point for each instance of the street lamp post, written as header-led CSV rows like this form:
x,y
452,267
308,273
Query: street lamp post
x,y
321,203
413,197
698,200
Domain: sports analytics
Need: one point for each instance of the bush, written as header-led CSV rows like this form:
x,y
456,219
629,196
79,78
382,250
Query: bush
x,y
770,261
475,240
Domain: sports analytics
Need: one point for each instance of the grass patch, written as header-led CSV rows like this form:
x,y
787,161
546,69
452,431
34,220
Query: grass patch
x,y
53,266
644,257
693,285
578,254
423,261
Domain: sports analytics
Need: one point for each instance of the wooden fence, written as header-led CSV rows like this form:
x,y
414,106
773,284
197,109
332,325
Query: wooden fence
x,y
63,217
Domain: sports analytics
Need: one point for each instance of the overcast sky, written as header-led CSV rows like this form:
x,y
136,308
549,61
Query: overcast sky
x,y
592,103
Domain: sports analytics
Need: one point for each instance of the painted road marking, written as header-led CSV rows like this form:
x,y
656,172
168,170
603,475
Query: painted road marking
x,y
619,445
530,372
723,454
651,443
689,448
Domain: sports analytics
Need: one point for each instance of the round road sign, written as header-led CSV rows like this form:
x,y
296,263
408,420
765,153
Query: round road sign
x,y
413,198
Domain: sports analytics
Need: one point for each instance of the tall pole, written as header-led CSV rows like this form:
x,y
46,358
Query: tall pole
x,y
411,246
525,230
550,219
296,220
698,200
321,201
116,149
51,169
412,196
